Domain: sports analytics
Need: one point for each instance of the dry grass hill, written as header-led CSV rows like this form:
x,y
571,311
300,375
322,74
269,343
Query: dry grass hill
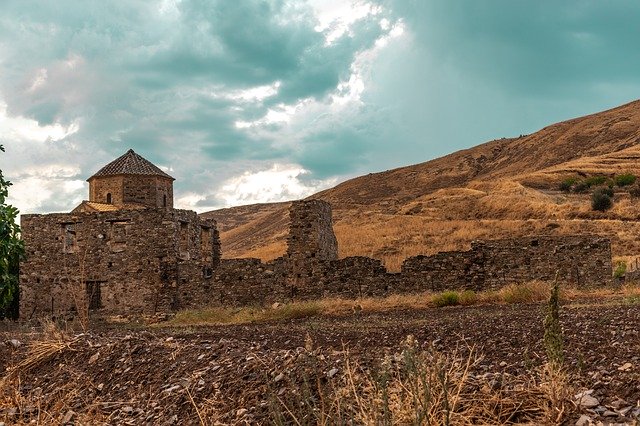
x,y
506,187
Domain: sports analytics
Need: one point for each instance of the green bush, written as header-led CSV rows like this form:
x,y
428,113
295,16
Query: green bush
x,y
565,185
625,179
446,298
600,200
11,251
595,180
605,190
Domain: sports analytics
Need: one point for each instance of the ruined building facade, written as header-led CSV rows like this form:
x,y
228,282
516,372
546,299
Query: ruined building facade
x,y
127,251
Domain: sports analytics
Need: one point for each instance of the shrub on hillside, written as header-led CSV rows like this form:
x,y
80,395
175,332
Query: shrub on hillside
x,y
595,180
625,179
600,200
567,184
635,191
608,191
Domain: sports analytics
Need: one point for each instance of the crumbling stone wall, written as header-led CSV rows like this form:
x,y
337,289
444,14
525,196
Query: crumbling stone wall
x,y
127,261
311,241
584,261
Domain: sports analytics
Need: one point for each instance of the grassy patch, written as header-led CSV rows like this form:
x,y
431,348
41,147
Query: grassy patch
x,y
534,291
447,298
531,292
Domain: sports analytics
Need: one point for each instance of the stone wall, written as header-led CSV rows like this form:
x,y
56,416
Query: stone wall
x,y
100,187
583,261
128,261
152,191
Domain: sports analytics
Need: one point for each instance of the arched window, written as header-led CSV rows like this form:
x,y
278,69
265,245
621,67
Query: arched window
x,y
108,198
164,200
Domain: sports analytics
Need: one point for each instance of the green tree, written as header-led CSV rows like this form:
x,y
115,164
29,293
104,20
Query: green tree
x,y
11,251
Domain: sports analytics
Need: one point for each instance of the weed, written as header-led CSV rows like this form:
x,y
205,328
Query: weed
x,y
553,342
620,270
446,298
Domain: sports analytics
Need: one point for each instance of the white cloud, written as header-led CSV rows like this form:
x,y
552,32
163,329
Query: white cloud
x,y
279,183
20,128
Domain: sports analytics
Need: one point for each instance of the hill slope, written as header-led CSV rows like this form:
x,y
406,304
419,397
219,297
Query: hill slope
x,y
502,188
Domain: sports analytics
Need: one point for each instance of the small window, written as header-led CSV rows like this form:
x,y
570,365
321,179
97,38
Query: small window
x,y
108,198
534,243
164,200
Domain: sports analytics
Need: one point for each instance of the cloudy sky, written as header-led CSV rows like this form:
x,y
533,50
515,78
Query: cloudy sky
x,y
264,100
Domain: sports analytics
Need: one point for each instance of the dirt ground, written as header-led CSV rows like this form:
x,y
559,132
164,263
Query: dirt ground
x,y
114,371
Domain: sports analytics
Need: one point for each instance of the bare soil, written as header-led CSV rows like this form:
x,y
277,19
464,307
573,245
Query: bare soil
x,y
114,373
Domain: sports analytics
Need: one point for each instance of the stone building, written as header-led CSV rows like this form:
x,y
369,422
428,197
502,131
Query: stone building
x,y
125,250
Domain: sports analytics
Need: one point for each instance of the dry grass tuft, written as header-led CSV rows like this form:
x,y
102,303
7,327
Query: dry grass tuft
x,y
53,342
425,387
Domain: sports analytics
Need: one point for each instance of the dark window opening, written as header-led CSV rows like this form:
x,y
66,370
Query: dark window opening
x,y
108,198
207,272
164,200
534,243
93,295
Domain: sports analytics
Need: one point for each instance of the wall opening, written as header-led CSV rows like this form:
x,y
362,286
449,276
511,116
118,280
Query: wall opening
x,y
108,198
164,200
94,296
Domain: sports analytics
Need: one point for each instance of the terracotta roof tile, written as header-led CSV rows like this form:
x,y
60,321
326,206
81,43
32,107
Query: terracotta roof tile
x,y
92,206
130,164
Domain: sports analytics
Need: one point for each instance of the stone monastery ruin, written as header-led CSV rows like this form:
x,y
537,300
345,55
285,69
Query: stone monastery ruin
x,y
128,251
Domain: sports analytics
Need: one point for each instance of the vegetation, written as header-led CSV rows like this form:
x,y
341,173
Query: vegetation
x,y
553,342
11,251
420,387
595,180
447,298
601,200
620,270
531,292
567,184
625,179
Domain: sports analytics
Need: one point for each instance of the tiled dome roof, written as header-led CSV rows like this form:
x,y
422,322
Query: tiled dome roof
x,y
130,164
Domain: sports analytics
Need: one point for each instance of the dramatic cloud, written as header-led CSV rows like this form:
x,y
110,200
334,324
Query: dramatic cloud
x,y
250,101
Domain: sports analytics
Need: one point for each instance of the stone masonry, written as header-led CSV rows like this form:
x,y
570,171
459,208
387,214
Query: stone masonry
x,y
127,251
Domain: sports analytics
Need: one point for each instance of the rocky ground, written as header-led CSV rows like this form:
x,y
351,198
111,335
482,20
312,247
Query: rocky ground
x,y
155,375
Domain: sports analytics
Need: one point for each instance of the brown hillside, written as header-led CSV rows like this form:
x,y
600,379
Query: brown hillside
x,y
505,187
